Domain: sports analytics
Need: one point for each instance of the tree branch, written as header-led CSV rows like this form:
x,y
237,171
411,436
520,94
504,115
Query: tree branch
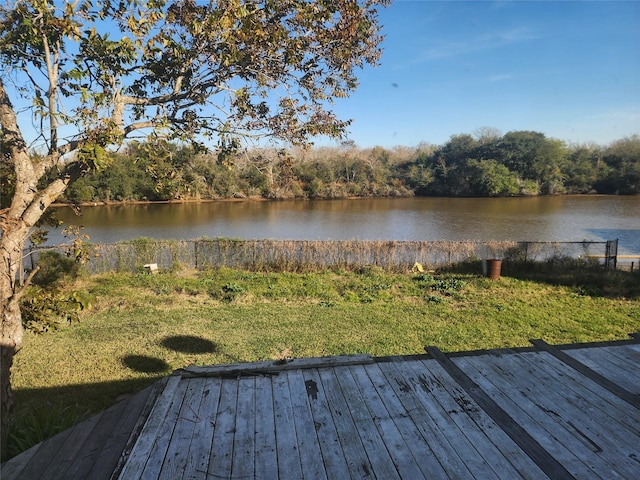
x,y
19,293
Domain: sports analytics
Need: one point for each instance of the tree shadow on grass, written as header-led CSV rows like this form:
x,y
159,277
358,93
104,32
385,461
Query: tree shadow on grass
x,y
144,364
189,344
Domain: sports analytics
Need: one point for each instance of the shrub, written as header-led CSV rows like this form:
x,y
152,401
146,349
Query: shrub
x,y
55,268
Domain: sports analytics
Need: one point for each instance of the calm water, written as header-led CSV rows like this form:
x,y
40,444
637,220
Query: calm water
x,y
573,218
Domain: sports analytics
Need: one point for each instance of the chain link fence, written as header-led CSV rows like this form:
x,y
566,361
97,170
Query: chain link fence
x,y
303,255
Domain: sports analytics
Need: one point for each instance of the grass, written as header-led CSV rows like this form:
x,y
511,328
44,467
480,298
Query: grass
x,y
142,327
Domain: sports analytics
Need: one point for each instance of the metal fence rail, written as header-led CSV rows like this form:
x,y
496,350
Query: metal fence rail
x,y
298,255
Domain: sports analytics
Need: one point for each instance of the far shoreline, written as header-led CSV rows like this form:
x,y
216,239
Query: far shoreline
x,y
123,203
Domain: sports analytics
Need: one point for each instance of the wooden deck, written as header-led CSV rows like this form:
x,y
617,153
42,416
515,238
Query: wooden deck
x,y
540,412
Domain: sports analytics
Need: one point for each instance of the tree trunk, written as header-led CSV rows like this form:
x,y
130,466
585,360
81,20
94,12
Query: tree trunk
x,y
11,341
11,329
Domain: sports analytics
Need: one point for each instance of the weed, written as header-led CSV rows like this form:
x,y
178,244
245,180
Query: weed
x,y
232,288
448,285
40,424
425,277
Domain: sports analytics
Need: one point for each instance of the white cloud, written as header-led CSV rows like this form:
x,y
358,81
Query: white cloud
x,y
488,41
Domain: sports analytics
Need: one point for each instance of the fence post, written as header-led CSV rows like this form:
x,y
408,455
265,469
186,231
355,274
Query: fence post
x,y
611,254
195,252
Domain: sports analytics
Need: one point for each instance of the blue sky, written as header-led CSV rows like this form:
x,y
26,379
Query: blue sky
x,y
568,69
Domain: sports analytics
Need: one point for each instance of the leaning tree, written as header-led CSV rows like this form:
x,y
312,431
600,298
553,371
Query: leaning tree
x,y
79,78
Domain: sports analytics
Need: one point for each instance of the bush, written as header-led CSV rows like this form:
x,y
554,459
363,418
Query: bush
x,y
55,268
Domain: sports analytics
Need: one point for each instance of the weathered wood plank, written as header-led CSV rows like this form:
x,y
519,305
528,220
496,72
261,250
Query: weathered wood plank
x,y
163,435
175,460
116,438
221,458
47,453
12,469
265,368
545,428
384,436
589,373
438,441
410,453
578,432
140,452
288,455
373,443
201,442
309,388
626,353
620,371
467,450
244,438
352,448
266,460
310,430
378,452
546,462
586,415
620,358
72,447
585,394
612,430
506,458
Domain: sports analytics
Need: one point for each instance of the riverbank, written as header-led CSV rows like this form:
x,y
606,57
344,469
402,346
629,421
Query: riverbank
x,y
257,198
160,202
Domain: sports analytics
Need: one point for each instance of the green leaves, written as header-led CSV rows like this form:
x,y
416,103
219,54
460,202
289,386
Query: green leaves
x,y
94,156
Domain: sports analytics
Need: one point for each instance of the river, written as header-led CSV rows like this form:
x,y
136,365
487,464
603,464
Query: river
x,y
561,218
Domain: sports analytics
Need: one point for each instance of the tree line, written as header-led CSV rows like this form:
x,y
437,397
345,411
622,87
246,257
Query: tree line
x,y
483,164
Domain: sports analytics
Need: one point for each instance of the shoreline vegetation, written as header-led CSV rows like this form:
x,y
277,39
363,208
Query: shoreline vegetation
x,y
521,163
134,328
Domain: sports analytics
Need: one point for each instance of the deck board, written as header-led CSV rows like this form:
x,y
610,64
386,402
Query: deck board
x,y
492,443
547,429
442,444
221,459
175,459
445,409
287,452
623,371
596,421
266,464
397,440
318,430
559,414
432,416
411,453
140,453
200,448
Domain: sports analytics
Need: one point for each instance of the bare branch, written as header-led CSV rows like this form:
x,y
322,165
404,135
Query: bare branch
x,y
23,288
